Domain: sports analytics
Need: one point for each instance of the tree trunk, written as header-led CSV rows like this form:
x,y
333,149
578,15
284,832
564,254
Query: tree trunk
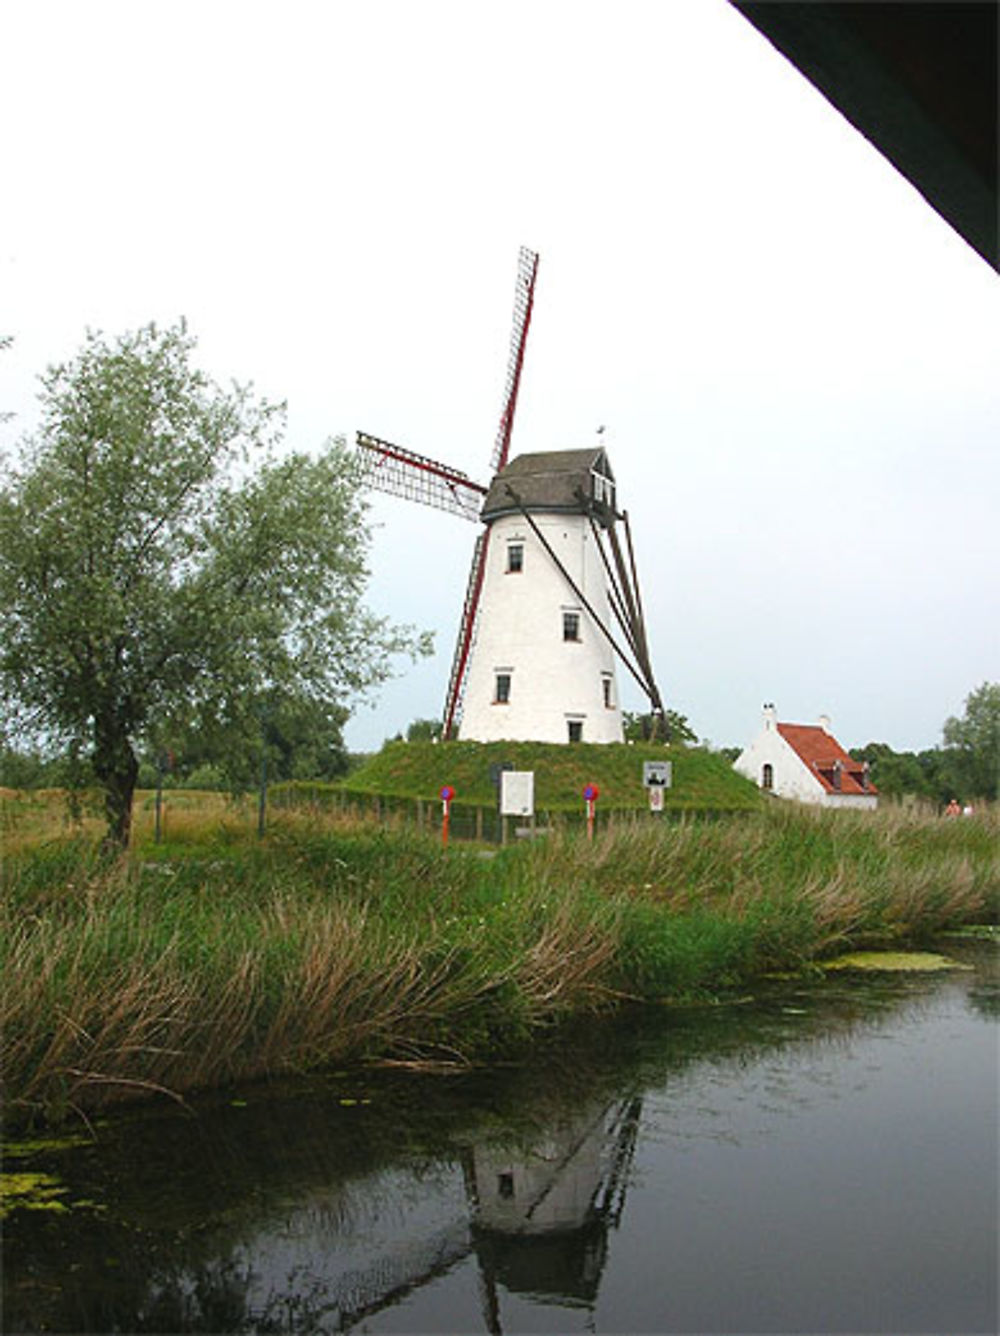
x,y
117,770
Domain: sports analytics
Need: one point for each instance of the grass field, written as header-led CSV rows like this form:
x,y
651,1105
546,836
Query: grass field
x,y
217,956
30,817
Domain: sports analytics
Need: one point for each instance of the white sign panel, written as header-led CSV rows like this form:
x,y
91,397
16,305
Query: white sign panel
x,y
656,798
657,774
517,793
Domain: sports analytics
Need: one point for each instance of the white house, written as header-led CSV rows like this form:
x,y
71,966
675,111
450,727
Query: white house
x,y
541,668
807,763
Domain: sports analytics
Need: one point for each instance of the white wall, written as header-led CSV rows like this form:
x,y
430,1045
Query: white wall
x,y
864,801
792,778
521,633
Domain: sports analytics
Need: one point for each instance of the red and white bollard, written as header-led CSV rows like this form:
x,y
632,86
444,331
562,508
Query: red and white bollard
x,y
447,793
591,793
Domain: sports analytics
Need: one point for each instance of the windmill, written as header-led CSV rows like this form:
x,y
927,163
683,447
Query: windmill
x,y
552,600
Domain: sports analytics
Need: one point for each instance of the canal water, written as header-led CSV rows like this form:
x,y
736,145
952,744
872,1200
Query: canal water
x,y
819,1157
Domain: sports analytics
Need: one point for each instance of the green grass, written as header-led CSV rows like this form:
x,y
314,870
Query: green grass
x,y
228,958
702,780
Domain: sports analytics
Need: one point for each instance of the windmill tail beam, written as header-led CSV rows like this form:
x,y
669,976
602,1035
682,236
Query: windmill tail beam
x,y
626,587
615,595
644,680
627,604
399,472
637,593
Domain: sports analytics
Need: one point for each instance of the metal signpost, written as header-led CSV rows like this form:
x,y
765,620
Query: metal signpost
x,y
164,762
656,776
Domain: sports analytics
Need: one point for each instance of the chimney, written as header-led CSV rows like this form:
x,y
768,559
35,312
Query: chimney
x,y
770,715
824,723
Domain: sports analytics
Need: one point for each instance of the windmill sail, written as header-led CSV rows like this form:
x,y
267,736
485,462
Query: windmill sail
x,y
466,635
524,301
392,469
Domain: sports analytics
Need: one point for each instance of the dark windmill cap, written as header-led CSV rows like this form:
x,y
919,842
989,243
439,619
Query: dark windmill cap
x,y
577,482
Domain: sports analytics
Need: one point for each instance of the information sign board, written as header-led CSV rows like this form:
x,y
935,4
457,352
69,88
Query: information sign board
x,y
517,793
657,774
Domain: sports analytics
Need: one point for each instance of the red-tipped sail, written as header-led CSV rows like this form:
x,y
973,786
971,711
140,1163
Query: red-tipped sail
x,y
524,300
399,472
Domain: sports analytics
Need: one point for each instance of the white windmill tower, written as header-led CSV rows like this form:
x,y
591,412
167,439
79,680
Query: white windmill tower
x,y
553,599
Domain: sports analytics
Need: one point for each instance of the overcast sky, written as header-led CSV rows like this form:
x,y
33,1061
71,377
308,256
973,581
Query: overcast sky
x,y
795,358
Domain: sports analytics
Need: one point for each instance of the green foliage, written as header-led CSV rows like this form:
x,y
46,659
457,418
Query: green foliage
x,y
701,780
5,341
22,769
33,768
302,738
966,767
897,773
146,570
640,727
972,743
424,730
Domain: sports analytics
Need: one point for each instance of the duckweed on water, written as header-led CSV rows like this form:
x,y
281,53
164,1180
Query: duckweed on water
x,y
895,962
31,1192
20,1150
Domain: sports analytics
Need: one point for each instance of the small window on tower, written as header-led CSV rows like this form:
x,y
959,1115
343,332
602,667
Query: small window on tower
x,y
502,695
575,727
571,626
767,777
515,558
606,688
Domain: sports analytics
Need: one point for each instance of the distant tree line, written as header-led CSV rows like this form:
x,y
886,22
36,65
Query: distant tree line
x,y
966,766
293,738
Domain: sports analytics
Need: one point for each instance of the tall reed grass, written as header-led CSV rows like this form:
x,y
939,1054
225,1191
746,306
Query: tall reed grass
x,y
226,959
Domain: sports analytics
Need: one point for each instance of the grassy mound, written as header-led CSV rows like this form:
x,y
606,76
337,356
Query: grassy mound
x,y
702,781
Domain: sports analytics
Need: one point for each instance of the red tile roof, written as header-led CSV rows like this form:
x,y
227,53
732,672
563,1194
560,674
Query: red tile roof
x,y
819,751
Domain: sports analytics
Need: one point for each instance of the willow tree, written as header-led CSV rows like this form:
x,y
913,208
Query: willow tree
x,y
157,554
